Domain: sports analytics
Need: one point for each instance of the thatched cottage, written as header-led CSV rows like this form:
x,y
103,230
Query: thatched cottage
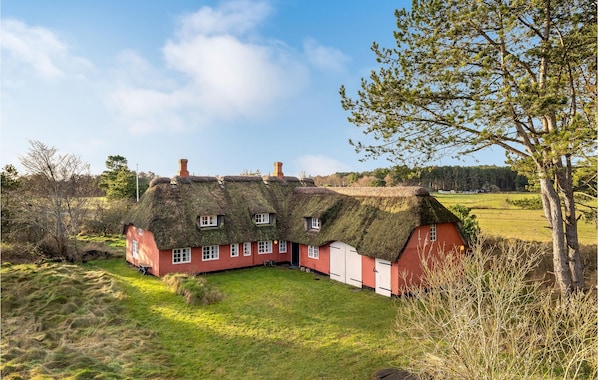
x,y
370,237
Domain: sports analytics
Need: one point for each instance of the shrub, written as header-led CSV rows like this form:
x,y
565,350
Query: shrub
x,y
196,290
469,223
483,319
534,203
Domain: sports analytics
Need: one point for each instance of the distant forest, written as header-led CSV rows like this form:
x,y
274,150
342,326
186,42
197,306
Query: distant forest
x,y
437,178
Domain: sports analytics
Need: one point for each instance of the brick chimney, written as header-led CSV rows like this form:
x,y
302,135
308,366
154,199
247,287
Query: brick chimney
x,y
278,170
183,172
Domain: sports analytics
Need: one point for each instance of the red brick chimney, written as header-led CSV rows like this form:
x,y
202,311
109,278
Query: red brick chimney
x,y
278,170
183,172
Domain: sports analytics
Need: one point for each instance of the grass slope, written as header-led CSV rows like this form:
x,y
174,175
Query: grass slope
x,y
65,322
273,323
104,320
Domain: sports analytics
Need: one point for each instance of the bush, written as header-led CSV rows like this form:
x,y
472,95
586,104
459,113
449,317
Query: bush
x,y
196,290
482,319
534,203
469,222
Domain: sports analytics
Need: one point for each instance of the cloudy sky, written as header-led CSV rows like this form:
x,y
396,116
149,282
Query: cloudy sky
x,y
230,85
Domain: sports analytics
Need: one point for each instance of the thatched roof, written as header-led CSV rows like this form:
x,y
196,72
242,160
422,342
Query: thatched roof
x,y
376,221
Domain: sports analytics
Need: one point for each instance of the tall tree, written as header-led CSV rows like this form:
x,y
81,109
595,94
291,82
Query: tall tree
x,y
464,76
10,183
119,182
56,197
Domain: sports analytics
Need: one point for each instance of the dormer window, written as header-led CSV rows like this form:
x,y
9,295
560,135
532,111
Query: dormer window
x,y
312,224
207,221
262,218
315,223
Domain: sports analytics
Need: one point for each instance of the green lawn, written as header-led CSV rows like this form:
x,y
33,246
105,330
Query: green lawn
x,y
499,218
274,323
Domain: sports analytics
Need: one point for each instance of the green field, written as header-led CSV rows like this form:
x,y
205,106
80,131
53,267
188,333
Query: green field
x,y
499,218
273,323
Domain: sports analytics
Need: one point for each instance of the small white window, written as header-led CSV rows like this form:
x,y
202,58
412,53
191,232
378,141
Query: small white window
x,y
264,247
247,249
313,252
262,218
208,221
140,231
210,252
433,232
181,255
315,223
135,249
234,250
282,248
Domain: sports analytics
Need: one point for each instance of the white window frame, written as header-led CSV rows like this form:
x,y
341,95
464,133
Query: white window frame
x,y
135,249
313,252
262,218
247,248
282,247
140,231
315,223
210,252
264,247
433,232
234,250
208,220
181,255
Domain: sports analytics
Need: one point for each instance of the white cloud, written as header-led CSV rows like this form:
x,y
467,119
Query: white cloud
x,y
235,17
223,76
37,49
320,165
323,57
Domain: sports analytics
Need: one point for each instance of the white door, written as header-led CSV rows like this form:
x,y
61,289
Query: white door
x,y
353,267
345,264
383,277
337,261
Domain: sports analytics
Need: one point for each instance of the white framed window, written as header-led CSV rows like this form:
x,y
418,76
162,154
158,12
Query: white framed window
x,y
264,247
282,247
247,249
135,249
315,223
262,218
181,255
433,232
208,221
140,231
313,252
234,250
210,252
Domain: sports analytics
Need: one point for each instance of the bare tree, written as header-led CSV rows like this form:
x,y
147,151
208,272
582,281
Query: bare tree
x,y
56,196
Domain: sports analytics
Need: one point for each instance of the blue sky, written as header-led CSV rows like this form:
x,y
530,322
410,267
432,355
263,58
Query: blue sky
x,y
230,85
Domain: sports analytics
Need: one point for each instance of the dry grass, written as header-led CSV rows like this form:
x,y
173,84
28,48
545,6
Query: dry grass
x,y
484,319
196,290
61,321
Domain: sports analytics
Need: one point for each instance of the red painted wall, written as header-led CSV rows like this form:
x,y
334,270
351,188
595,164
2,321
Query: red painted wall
x,y
368,276
161,261
408,269
148,251
321,264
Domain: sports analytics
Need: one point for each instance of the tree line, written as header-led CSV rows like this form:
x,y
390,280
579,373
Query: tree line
x,y
434,178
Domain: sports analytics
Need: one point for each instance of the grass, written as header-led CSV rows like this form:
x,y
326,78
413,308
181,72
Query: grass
x,y
499,218
273,323
64,321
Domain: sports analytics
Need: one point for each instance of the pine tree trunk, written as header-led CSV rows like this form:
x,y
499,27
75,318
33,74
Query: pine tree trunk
x,y
562,274
564,178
